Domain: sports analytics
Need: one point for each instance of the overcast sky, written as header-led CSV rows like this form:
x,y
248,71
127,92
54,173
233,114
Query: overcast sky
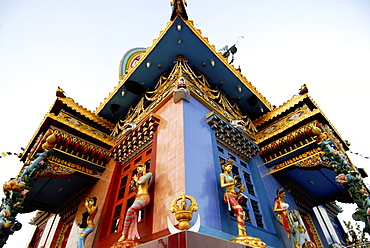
x,y
78,45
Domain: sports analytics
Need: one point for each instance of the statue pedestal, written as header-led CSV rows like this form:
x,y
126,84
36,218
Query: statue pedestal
x,y
249,241
126,244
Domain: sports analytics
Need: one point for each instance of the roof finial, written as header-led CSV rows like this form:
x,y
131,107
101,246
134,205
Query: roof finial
x,y
60,92
178,8
303,89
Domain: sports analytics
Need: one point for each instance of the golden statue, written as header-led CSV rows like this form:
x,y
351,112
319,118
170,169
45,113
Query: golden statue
x,y
183,212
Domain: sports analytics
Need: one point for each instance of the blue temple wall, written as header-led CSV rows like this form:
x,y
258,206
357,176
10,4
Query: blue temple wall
x,y
271,185
264,190
202,180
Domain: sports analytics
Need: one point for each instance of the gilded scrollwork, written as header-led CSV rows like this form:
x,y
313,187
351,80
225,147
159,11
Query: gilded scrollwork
x,y
280,125
200,89
311,158
91,133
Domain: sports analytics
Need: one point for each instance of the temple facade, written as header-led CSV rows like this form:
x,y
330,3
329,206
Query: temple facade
x,y
182,111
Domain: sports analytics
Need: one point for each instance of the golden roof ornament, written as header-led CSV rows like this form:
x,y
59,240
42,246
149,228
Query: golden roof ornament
x,y
60,92
184,213
303,89
178,8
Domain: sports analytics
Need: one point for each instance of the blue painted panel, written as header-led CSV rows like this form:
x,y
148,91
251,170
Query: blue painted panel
x,y
200,176
271,185
202,180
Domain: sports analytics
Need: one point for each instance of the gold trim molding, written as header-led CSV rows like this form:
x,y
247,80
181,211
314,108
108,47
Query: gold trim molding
x,y
305,160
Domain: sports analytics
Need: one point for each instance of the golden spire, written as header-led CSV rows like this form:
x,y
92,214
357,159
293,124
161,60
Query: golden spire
x,y
178,8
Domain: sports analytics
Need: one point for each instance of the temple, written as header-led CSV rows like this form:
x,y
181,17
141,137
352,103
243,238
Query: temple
x,y
182,110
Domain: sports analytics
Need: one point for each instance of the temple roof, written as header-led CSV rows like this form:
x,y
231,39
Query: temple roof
x,y
89,117
180,37
285,111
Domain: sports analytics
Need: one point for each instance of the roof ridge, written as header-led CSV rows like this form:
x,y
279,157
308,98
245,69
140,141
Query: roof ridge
x,y
87,113
281,109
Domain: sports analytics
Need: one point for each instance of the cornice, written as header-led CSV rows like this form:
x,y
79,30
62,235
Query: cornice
x,y
78,108
136,140
87,113
281,109
282,126
297,99
308,159
231,139
83,130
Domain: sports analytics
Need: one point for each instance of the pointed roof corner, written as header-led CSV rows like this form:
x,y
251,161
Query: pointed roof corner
x,y
178,8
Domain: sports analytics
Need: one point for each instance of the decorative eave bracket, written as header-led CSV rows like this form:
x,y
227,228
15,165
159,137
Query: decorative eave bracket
x,y
232,139
136,140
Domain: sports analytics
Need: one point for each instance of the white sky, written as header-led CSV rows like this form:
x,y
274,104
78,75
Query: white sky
x,y
77,45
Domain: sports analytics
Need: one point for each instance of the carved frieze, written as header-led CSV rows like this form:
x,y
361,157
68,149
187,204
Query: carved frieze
x,y
62,167
231,138
290,142
308,159
136,140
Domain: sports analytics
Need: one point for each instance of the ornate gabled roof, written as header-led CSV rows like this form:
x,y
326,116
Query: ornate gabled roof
x,y
180,37
62,100
85,112
280,110
297,111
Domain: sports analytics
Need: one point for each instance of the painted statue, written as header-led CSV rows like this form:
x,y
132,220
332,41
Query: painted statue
x,y
36,164
87,223
286,218
231,195
298,228
142,181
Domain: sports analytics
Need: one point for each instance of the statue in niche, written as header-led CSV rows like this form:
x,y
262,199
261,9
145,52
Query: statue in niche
x,y
287,218
231,195
87,223
142,181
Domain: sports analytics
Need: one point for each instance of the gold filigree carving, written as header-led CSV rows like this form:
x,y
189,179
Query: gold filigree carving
x,y
61,166
308,159
107,140
281,109
284,123
63,232
249,241
85,112
199,87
